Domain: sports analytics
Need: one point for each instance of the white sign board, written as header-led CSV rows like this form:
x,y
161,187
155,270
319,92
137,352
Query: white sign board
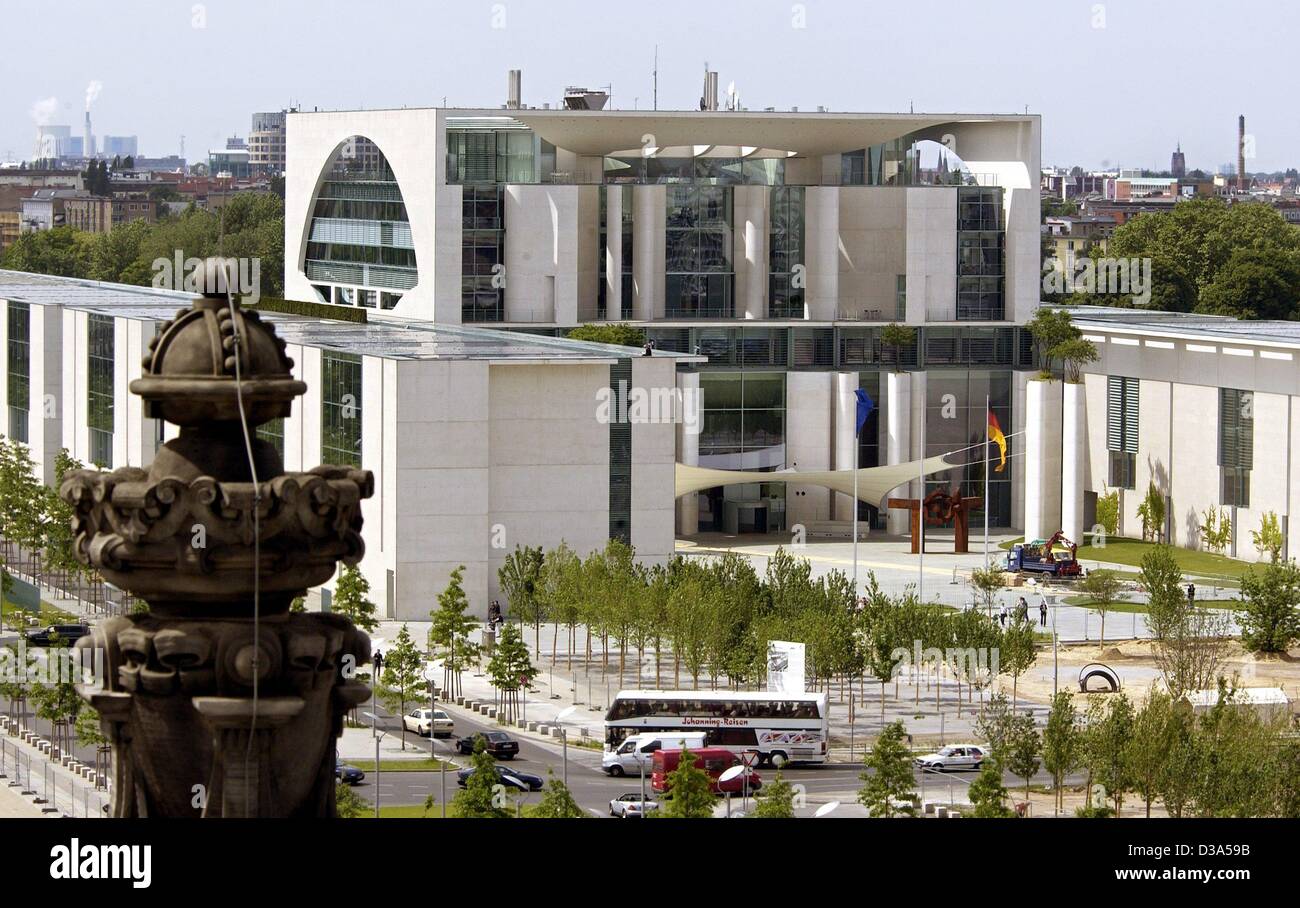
x,y
785,667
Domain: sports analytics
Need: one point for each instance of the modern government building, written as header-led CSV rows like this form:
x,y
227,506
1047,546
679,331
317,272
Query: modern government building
x,y
763,252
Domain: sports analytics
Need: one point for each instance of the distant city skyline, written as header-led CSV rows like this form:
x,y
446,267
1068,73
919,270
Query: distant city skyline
x,y
1117,83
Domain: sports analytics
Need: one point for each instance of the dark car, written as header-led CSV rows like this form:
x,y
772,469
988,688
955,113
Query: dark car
x,y
497,743
68,634
347,773
520,781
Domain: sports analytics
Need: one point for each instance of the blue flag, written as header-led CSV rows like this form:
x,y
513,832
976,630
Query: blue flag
x,y
865,406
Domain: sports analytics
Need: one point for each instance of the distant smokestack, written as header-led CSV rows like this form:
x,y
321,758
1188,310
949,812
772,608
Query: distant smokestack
x,y
514,89
88,143
1241,152
710,99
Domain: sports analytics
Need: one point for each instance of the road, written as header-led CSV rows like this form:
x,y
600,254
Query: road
x,y
593,789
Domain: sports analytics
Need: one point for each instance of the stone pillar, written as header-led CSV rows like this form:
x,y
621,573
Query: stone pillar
x,y
846,439
648,225
688,448
898,441
1074,437
750,220
1042,459
613,253
822,250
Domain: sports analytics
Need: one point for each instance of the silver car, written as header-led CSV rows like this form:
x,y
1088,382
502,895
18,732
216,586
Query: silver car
x,y
956,757
630,806
422,721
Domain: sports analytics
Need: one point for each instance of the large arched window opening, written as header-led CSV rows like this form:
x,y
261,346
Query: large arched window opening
x,y
359,248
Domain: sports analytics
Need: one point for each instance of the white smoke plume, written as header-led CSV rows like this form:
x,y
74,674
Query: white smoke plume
x,y
92,92
43,111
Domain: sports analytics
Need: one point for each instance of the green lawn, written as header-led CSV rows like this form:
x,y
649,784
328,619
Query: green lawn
x,y
424,764
1141,607
1131,552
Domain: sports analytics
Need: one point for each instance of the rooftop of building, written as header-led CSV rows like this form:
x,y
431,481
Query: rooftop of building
x,y
1186,324
389,337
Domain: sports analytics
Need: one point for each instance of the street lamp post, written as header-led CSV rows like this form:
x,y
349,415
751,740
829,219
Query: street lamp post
x,y
564,740
379,736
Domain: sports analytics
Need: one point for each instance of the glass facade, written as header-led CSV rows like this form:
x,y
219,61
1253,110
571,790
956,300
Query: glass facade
x,y
743,428
340,432
620,456
482,253
493,155
19,368
698,265
981,239
956,420
715,171
360,235
786,266
1236,446
99,389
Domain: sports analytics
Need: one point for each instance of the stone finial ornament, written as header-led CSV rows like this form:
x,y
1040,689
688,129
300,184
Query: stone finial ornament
x,y
218,701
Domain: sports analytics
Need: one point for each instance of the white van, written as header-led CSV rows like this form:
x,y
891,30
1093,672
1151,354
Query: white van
x,y
638,749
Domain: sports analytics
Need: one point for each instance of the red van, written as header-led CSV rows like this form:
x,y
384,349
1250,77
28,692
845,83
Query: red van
x,y
713,760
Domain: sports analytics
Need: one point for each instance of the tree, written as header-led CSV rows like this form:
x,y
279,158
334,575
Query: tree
x,y
1146,750
1254,284
560,595
449,633
1074,354
1177,778
1189,643
690,791
1109,730
777,802
352,599
890,780
403,676
1102,587
1022,749
1270,612
1268,539
616,333
987,582
520,578
1062,744
1019,651
1050,328
558,803
1152,514
510,670
691,607
895,337
348,805
483,796
1216,529
1108,513
987,793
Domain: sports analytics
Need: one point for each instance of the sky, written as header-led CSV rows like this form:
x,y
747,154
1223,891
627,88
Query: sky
x,y
1117,83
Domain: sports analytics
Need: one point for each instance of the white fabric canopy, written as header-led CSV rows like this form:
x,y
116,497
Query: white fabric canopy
x,y
874,483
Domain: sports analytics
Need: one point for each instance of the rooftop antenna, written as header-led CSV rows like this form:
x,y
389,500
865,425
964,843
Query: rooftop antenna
x,y
656,78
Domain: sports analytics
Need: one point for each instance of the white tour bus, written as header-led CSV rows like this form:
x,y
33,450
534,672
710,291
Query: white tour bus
x,y
780,727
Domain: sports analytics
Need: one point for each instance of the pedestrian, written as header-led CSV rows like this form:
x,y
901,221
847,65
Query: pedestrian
x,y
1042,612
1191,594
377,660
1002,616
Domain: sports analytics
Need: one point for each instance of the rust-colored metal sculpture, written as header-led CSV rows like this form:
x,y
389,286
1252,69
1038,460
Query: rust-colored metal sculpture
x,y
217,706
940,506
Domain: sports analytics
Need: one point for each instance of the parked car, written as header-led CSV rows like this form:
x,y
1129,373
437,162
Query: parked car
x,y
420,720
68,634
630,806
520,781
636,750
955,756
497,743
347,773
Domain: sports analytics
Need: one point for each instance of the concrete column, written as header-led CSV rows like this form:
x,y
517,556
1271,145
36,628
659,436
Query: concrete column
x,y
688,449
613,253
822,250
1074,435
810,443
898,443
846,447
1042,459
649,216
750,222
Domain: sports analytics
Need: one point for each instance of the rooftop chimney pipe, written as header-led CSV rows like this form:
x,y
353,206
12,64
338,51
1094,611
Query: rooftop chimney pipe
x,y
514,88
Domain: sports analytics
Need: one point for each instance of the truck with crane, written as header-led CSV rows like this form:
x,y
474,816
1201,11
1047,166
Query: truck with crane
x,y
1054,557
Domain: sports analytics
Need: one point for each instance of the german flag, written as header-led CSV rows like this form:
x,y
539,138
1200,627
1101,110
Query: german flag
x,y
996,437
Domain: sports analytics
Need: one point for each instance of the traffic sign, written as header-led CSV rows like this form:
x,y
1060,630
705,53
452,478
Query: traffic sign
x,y
749,758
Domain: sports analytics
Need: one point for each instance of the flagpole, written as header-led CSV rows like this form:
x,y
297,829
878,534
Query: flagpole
x,y
855,515
988,412
920,516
